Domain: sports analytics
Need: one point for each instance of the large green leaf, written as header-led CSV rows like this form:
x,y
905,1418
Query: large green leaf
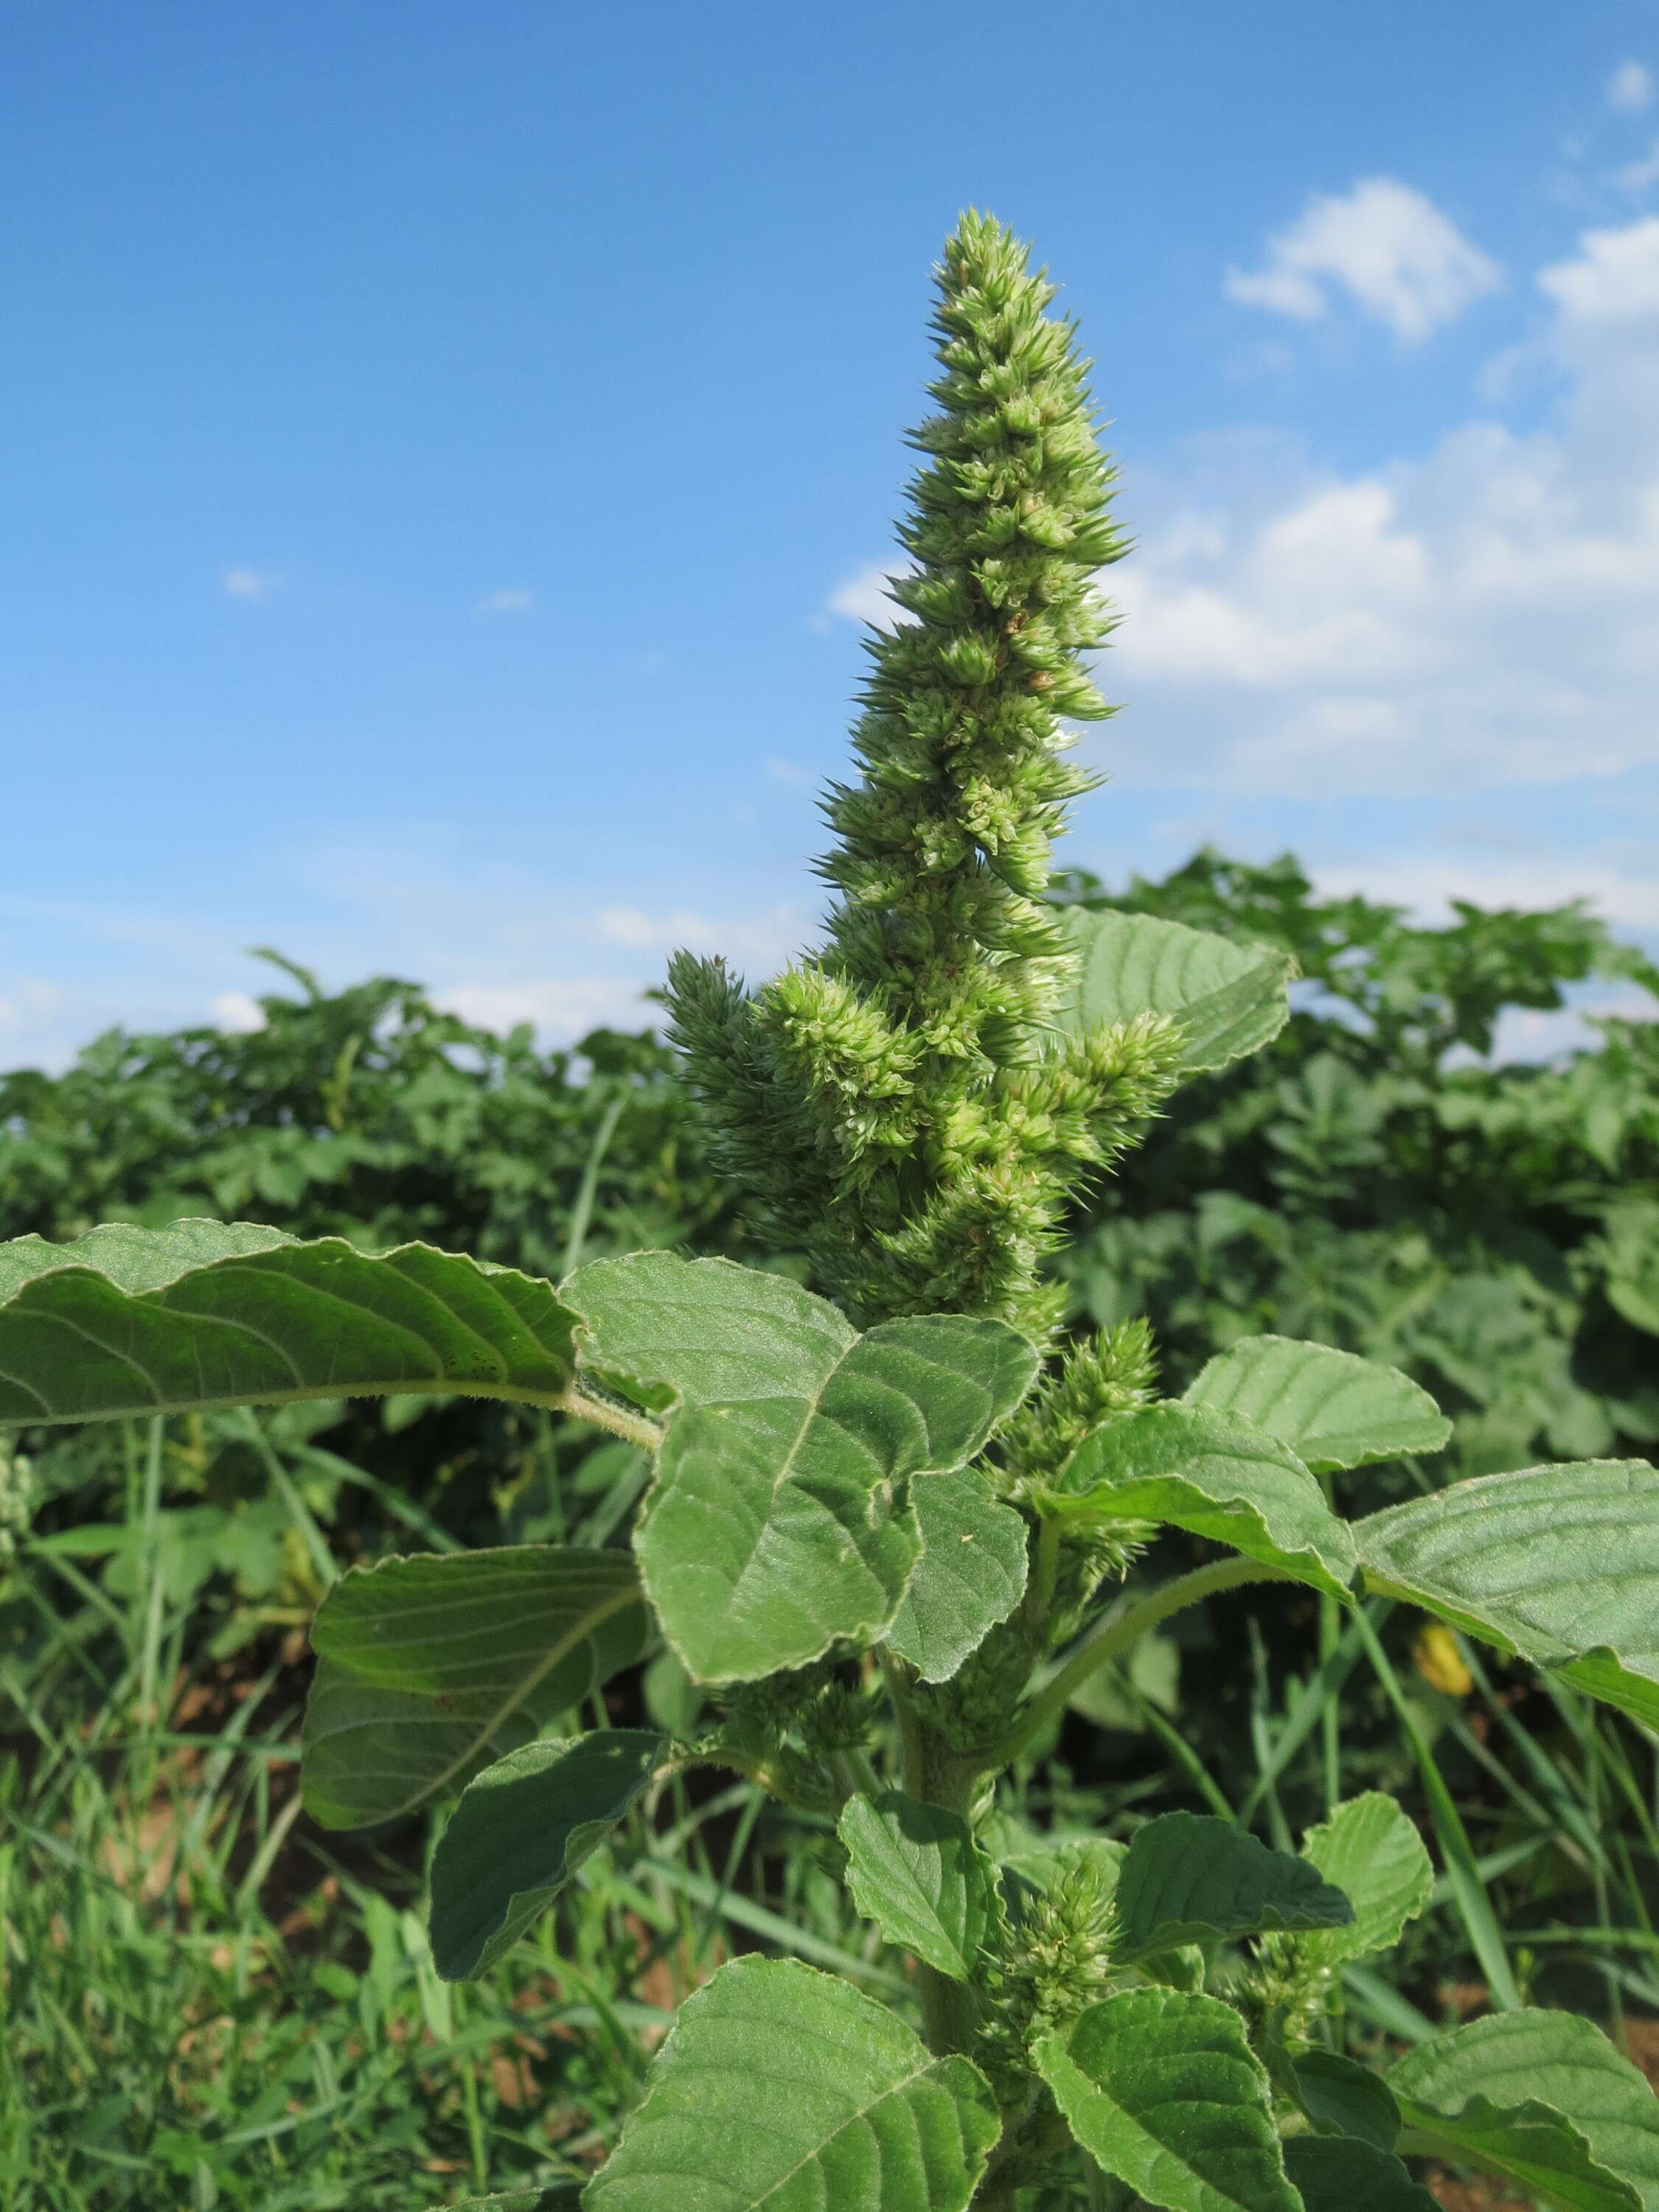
x,y
1191,1878
1558,1564
782,2087
432,1667
1373,1854
666,1331
204,1313
1332,1409
557,2196
1337,2173
1229,999
779,1523
1500,2091
1216,1474
1341,2097
915,1870
519,1832
1163,2090
970,1576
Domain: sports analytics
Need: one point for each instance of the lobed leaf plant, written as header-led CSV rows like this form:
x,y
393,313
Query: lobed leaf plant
x,y
887,1511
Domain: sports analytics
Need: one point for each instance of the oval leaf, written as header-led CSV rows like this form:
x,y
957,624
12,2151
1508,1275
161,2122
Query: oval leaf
x,y
205,1314
1334,2174
784,2087
1191,1878
1229,999
432,1667
1216,1474
970,1576
915,1870
1374,1855
1343,2098
1333,1410
1557,1565
1163,2090
777,1523
1542,2098
520,1831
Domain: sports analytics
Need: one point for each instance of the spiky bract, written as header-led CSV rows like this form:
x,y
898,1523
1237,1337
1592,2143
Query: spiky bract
x,y
900,1104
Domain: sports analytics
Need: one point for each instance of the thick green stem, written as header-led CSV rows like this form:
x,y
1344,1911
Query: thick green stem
x,y
606,1414
935,1776
1114,1636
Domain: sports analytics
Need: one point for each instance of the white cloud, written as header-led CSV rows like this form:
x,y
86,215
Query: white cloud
x,y
783,771
514,601
236,1010
559,1008
1637,176
1630,86
250,583
863,596
769,937
1482,615
1403,262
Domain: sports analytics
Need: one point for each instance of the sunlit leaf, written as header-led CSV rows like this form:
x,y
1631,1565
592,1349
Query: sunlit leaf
x,y
1162,2088
1229,999
1332,1409
915,1870
782,2087
1542,2099
1557,1564
1216,1474
779,1523
1373,1854
203,1314
970,1576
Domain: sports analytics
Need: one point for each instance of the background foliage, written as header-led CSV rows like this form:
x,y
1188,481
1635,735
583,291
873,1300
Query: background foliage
x,y
178,1942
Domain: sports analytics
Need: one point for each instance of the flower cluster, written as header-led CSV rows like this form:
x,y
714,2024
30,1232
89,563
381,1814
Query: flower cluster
x,y
903,1104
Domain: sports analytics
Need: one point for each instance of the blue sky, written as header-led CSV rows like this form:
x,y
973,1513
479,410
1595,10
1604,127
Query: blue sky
x,y
449,450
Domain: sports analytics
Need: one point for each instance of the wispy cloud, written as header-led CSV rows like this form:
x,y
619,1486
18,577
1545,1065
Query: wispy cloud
x,y
250,583
1402,262
788,771
1630,88
514,601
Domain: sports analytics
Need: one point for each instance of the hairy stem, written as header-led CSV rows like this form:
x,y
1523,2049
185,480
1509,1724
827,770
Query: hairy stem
x,y
606,1414
931,1773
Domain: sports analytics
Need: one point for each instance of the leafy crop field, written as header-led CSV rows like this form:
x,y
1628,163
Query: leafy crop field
x,y
212,2000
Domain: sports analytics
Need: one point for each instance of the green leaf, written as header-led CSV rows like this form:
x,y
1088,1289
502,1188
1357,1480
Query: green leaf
x,y
204,1313
777,1524
1341,2097
1373,1854
783,2086
1557,1564
1496,2092
432,1667
520,1831
1191,1878
970,1576
1229,999
1216,1474
1163,2090
557,2196
1151,1670
915,1870
1333,1410
666,1331
1333,2173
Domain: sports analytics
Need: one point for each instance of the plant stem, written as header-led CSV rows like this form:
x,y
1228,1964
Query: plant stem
x,y
935,1775
1114,1636
606,1414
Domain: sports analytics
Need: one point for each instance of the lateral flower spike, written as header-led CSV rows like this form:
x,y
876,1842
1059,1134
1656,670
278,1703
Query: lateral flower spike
x,y
900,1103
